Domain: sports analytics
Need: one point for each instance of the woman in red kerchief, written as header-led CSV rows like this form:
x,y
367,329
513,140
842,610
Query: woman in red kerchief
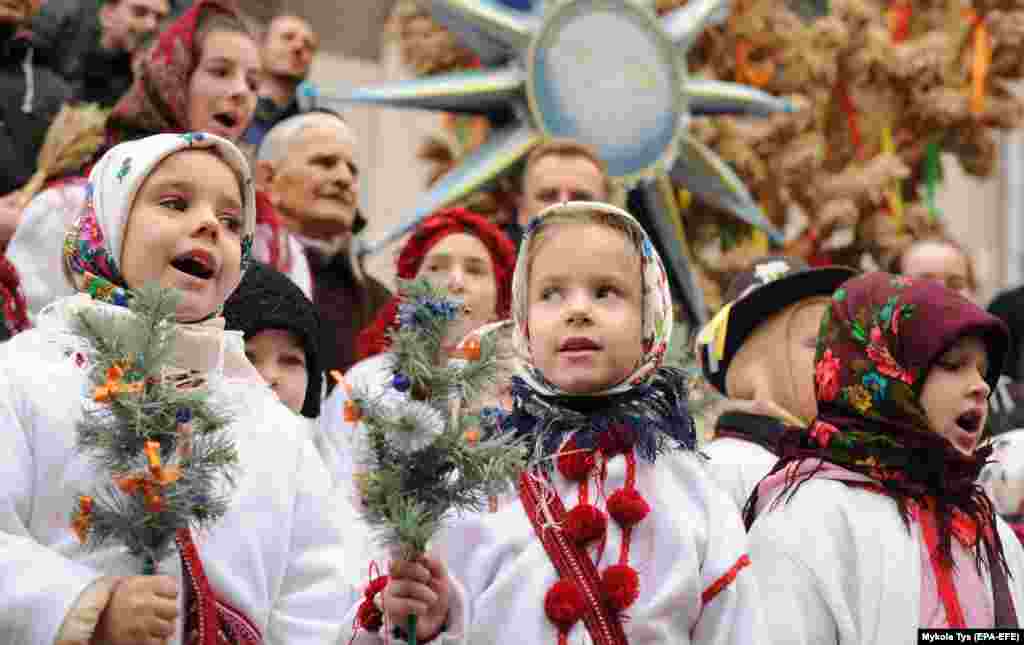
x,y
456,249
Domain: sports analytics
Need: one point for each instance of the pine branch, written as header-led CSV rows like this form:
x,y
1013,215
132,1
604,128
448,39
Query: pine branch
x,y
422,465
170,464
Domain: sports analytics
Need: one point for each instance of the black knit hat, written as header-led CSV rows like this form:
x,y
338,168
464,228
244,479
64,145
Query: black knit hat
x,y
268,299
769,286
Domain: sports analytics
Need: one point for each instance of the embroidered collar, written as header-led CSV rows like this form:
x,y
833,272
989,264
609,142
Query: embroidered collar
x,y
653,418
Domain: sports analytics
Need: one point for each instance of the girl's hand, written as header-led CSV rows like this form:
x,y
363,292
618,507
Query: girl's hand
x,y
142,611
421,588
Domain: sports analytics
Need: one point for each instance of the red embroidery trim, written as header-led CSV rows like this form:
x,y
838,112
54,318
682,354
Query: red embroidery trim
x,y
943,575
219,622
724,580
572,563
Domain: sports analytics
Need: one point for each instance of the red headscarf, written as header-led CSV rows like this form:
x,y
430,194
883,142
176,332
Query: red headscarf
x,y
14,311
158,99
374,338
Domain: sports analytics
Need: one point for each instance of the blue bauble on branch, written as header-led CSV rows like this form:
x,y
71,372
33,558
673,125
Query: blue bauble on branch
x,y
401,382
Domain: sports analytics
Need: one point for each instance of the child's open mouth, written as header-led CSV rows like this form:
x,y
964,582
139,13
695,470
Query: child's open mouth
x,y
970,422
196,264
226,119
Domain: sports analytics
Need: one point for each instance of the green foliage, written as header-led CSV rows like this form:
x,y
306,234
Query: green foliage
x,y
424,461
134,351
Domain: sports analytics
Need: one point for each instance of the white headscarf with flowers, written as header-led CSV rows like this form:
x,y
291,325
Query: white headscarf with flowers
x,y
93,244
657,301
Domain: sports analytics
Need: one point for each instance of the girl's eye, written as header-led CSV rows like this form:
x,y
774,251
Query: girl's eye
x,y
548,293
232,222
294,360
174,203
951,365
604,292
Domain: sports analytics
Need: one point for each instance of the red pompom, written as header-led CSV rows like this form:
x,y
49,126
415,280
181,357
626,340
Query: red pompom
x,y
376,586
618,439
370,618
564,603
627,506
573,462
621,586
584,523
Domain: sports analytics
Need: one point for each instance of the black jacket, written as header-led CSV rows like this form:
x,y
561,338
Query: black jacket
x,y
30,97
67,36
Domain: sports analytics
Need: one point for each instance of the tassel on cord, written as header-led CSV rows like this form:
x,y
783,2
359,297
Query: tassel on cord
x,y
932,176
30,82
895,192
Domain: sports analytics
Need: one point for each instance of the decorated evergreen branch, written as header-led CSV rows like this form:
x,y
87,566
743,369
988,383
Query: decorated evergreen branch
x,y
423,462
152,429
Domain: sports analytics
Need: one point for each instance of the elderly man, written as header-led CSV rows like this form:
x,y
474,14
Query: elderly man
x,y
91,46
288,49
556,171
306,166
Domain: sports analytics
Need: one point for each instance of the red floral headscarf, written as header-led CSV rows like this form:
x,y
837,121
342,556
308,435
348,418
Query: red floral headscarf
x,y
158,99
374,338
878,340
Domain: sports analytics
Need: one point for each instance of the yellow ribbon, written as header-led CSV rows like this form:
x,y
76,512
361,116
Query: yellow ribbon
x,y
714,332
895,195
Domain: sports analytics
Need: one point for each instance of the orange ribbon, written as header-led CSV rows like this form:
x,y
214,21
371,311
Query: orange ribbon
x,y
470,350
115,385
151,482
82,521
852,120
982,60
749,72
899,20
350,411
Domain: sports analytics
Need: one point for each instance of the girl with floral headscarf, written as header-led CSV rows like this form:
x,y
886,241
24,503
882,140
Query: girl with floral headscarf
x,y
613,517
177,210
872,524
199,74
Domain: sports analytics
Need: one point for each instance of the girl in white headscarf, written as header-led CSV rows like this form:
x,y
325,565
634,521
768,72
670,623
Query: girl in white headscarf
x,y
176,209
604,526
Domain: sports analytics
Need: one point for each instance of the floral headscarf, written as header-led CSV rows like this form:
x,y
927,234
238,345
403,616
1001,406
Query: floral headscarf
x,y
657,300
93,244
878,340
158,99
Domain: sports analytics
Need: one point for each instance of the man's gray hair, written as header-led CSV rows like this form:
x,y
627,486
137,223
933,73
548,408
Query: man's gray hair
x,y
274,146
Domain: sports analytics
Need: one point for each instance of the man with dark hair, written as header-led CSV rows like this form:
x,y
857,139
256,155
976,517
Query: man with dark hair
x,y
288,48
90,42
559,170
30,97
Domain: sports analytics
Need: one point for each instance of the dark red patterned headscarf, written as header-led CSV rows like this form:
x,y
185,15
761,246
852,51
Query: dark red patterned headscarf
x,y
878,340
374,338
157,101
